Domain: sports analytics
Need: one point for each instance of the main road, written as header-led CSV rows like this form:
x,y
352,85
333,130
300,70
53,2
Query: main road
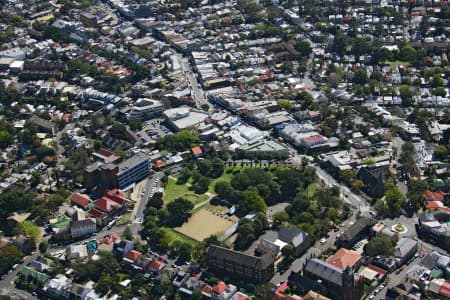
x,y
197,91
7,284
347,195
151,185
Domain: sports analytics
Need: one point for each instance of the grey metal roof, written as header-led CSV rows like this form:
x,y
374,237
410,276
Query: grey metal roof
x,y
404,246
325,271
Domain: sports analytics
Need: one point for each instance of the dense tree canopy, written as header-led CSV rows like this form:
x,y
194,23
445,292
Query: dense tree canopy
x,y
9,255
28,228
380,245
180,141
180,210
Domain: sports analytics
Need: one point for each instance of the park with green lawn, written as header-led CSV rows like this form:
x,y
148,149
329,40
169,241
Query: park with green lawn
x,y
175,188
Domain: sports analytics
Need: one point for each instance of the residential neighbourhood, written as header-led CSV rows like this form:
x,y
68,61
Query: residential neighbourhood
x,y
232,150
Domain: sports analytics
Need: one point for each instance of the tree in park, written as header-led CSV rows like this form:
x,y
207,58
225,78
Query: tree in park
x,y
118,131
223,189
180,210
252,201
103,285
440,91
185,251
211,168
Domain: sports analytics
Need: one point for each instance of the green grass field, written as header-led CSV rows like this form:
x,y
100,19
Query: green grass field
x,y
174,191
175,236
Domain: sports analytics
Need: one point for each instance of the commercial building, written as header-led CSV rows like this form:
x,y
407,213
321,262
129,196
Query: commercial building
x,y
132,170
240,265
144,109
263,149
120,175
183,117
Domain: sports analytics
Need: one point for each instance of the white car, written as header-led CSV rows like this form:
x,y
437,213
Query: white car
x,y
140,220
323,241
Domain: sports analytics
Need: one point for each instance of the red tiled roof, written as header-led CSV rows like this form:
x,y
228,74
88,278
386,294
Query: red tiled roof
x,y
48,159
133,255
66,118
279,292
344,258
157,265
104,152
240,296
445,289
109,239
115,195
106,204
220,287
316,138
197,150
433,196
207,289
81,200
433,205
159,164
377,269
96,213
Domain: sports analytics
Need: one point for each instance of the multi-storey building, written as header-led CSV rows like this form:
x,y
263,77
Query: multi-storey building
x,y
120,176
240,265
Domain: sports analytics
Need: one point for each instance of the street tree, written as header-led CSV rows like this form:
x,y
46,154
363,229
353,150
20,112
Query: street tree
x,y
395,201
43,246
